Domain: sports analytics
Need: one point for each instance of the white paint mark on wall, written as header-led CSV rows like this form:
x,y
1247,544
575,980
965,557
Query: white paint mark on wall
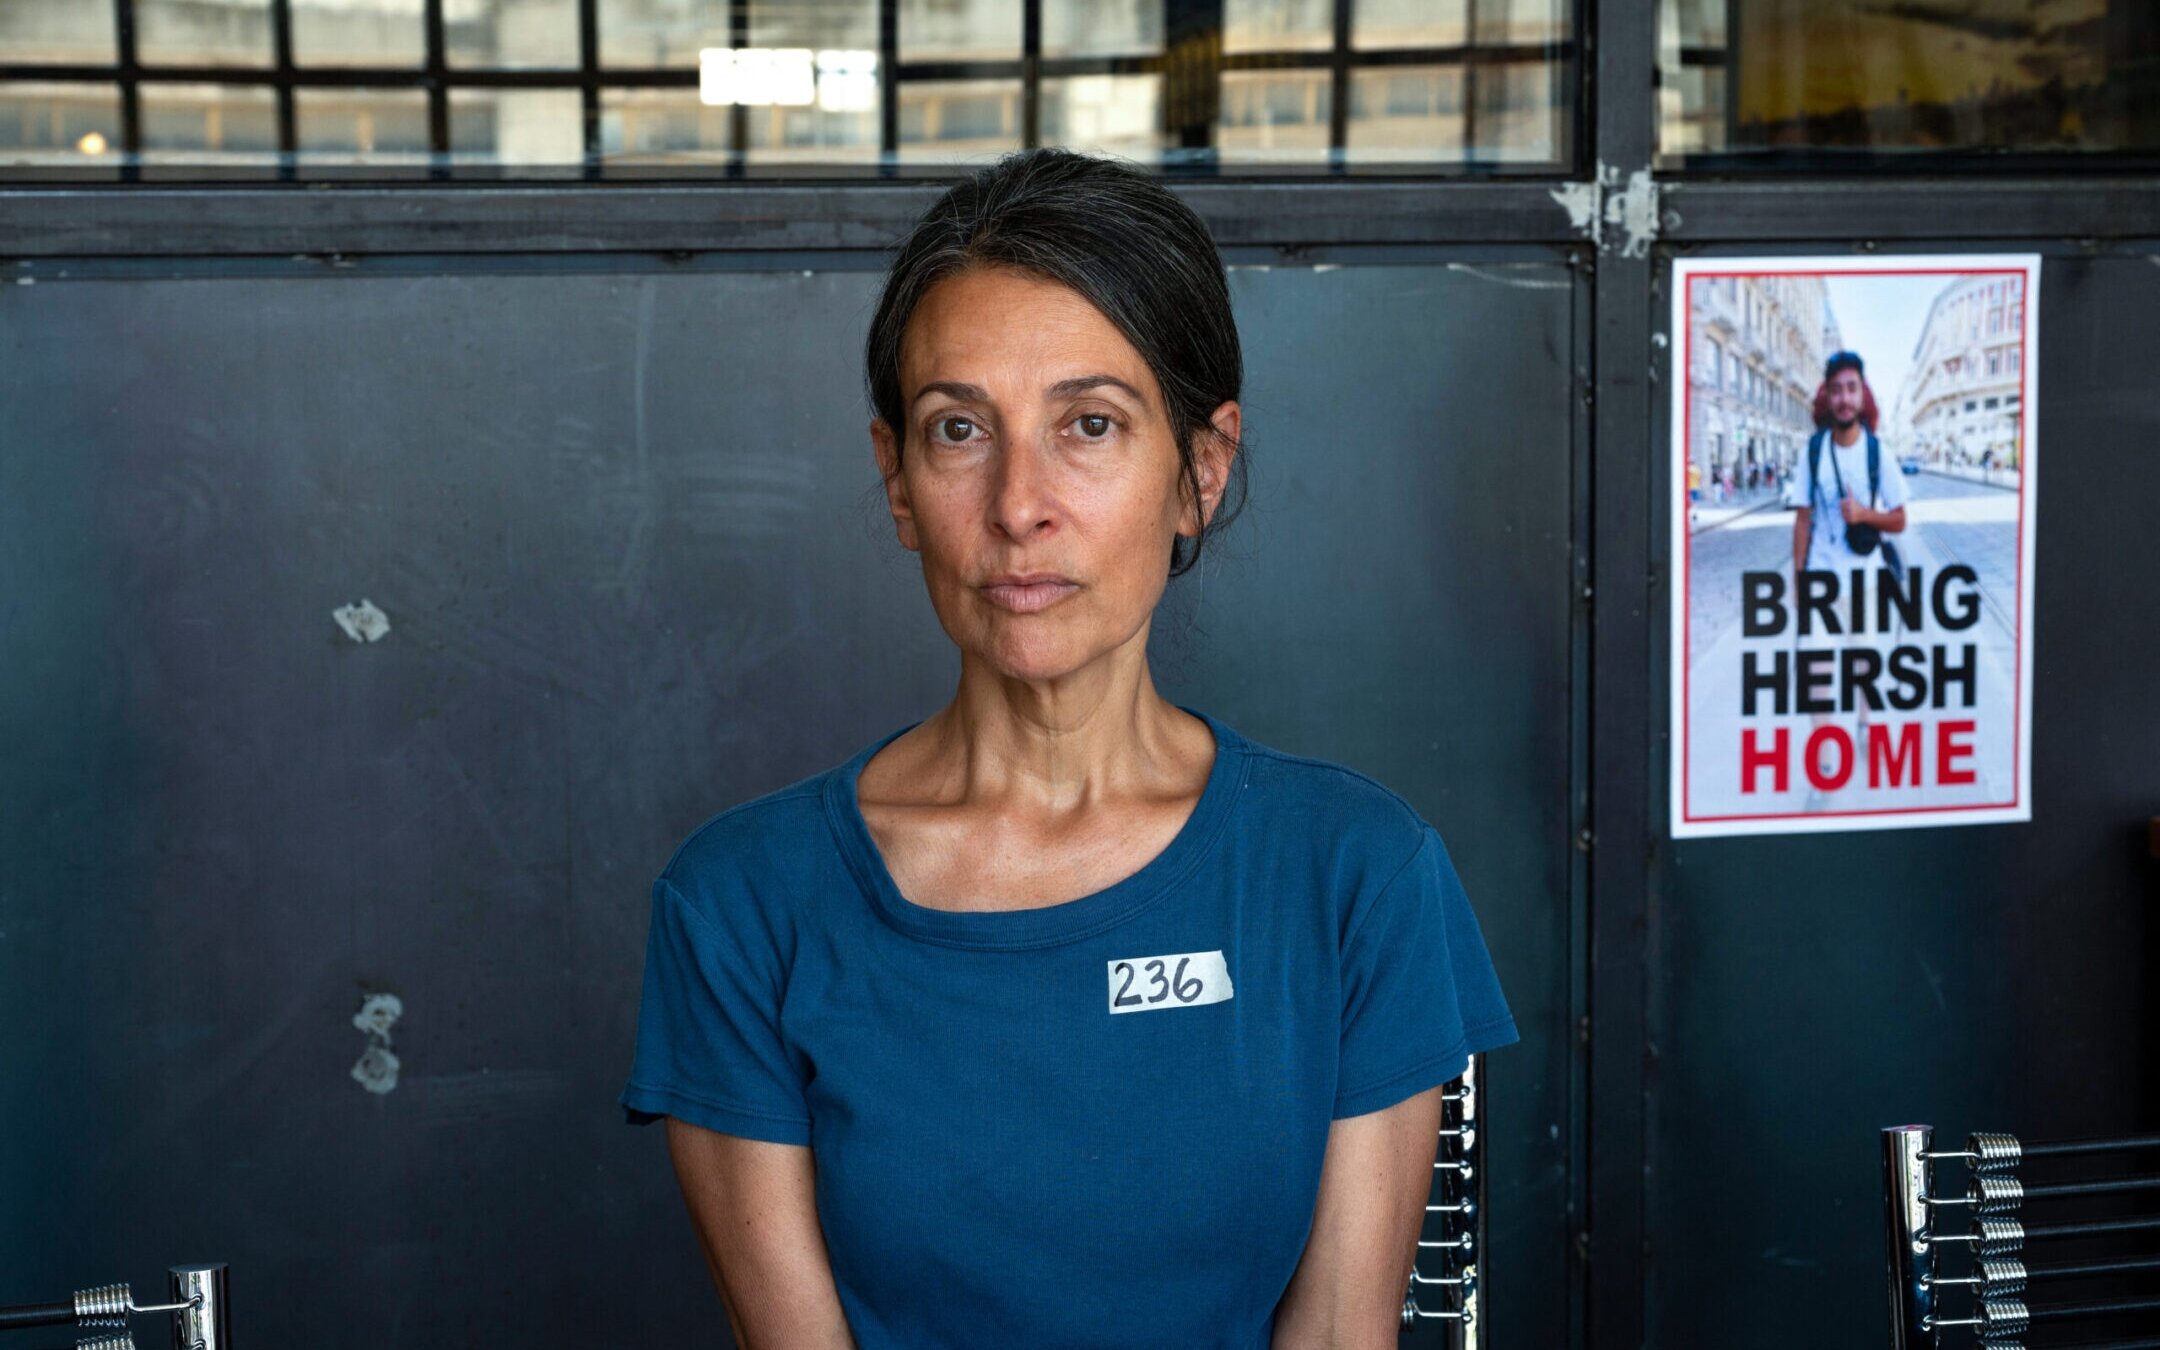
x,y
1580,201
362,622
377,1068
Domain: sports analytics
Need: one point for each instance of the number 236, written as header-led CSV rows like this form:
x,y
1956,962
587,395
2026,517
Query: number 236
x,y
1175,985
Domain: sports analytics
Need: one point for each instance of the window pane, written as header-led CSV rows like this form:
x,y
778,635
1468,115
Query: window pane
x,y
190,33
63,124
672,32
517,126
959,30
1845,76
1376,24
362,126
74,34
1406,113
958,119
510,34
209,124
662,126
1105,114
1517,113
1279,25
358,33
1102,27
1518,22
811,133
1274,116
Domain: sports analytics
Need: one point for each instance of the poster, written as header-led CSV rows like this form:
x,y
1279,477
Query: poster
x,y
1852,651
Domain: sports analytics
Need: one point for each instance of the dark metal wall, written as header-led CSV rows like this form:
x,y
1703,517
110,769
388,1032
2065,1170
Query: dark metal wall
x,y
623,521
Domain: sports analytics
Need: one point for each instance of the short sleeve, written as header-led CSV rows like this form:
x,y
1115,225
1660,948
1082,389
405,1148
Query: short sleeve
x,y
1893,487
709,1044
1796,493
1419,993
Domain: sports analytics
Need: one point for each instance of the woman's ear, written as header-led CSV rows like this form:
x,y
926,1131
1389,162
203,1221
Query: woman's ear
x,y
887,449
1211,462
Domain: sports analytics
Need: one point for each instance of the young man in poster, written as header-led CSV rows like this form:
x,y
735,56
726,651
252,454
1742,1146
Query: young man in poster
x,y
1831,493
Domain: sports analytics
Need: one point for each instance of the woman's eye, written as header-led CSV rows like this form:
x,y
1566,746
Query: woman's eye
x,y
945,424
1087,421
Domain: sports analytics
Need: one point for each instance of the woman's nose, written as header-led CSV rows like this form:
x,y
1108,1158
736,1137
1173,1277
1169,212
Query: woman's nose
x,y
1020,498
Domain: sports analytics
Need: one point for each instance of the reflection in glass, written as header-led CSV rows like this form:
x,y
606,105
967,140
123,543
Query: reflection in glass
x,y
959,30
1279,25
1102,27
958,119
1105,114
661,126
813,132
72,34
1844,75
1517,113
191,33
361,126
1406,113
358,33
672,32
66,124
517,126
1377,24
814,23
208,123
1517,22
1274,116
510,34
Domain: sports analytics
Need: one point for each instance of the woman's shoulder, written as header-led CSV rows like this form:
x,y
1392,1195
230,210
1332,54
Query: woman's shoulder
x,y
774,833
1323,799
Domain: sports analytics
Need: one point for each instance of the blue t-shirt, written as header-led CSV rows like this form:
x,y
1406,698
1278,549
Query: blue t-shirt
x,y
1096,1122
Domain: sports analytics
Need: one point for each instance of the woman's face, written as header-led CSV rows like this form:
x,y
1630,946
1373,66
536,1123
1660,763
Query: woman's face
x,y
1038,444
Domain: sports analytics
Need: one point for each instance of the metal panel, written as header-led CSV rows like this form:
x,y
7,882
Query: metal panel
x,y
122,221
1810,989
626,530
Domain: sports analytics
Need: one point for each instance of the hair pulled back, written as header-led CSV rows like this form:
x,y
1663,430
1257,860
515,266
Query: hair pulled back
x,y
1126,244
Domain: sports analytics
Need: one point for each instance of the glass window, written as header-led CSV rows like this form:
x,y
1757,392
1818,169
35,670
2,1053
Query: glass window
x,y
1410,86
362,126
662,126
208,124
958,119
58,124
511,34
58,32
190,33
1102,28
358,33
957,30
1840,79
517,126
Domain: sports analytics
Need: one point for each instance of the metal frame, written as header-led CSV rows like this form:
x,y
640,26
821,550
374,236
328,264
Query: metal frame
x,y
1619,738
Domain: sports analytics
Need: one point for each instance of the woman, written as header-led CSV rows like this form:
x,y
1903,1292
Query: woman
x,y
1065,1016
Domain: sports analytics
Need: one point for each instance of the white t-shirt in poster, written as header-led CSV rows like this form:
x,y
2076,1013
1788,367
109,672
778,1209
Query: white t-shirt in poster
x,y
1827,550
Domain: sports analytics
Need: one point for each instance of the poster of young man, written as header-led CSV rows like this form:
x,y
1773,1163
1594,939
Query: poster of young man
x,y
1853,480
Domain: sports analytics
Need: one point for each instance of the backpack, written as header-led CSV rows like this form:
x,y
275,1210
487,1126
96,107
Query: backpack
x,y
1891,559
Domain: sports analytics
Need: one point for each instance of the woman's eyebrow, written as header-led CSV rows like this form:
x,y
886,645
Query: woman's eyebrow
x,y
1077,384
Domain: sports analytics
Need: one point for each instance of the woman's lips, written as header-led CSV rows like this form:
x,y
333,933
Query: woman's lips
x,y
1029,598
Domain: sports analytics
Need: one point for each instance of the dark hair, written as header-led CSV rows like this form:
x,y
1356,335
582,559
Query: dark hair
x,y
1843,361
1124,242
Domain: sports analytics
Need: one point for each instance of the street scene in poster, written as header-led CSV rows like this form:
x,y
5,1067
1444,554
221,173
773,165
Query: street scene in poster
x,y
1853,476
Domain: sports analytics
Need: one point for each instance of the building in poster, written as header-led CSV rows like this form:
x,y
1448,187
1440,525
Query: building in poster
x,y
1853,478
1757,343
1963,408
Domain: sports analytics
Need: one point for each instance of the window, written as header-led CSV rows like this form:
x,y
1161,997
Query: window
x,y
1758,78
685,87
